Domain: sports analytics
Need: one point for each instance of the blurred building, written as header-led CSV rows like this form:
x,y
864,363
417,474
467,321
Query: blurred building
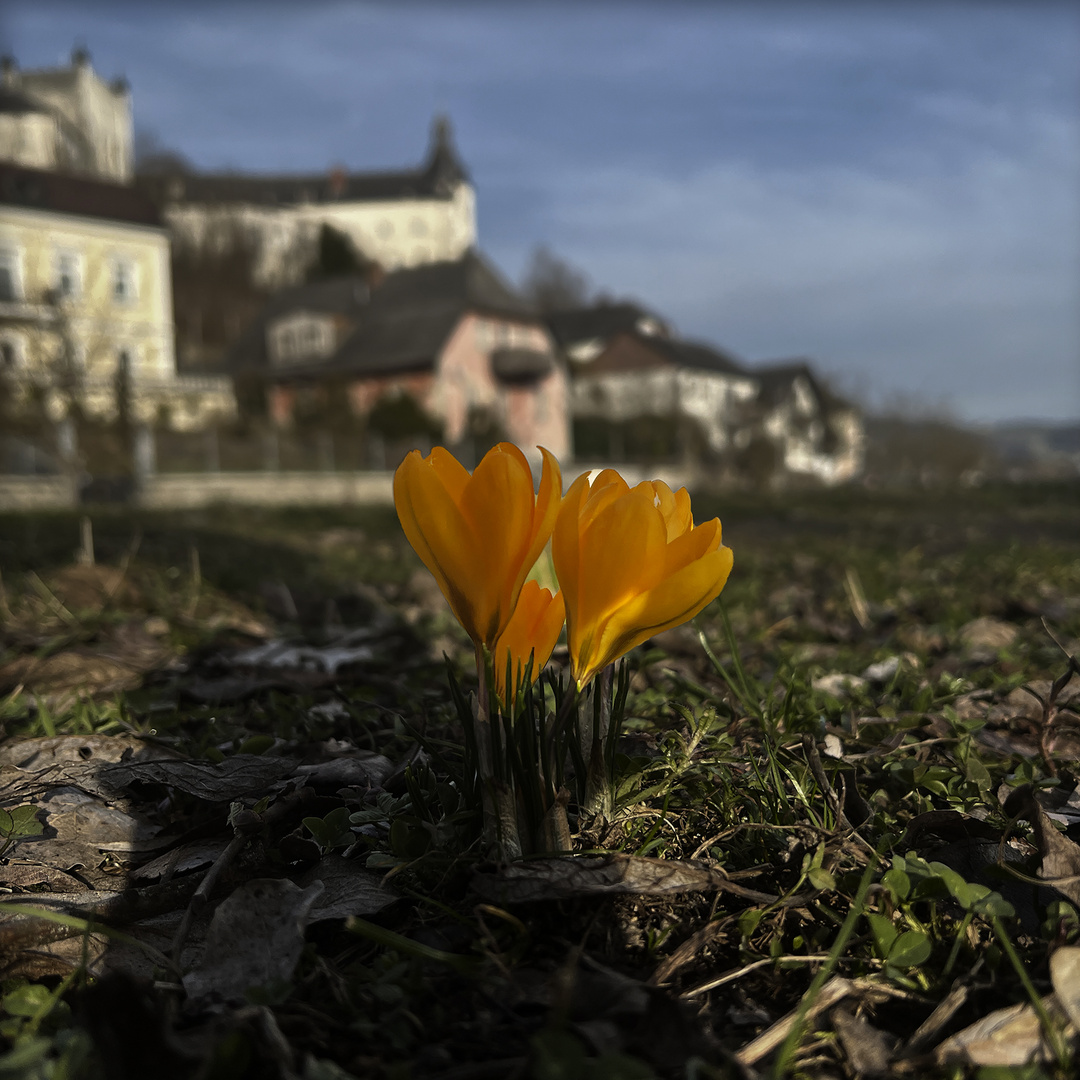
x,y
86,304
641,394
815,433
239,238
393,219
66,120
446,352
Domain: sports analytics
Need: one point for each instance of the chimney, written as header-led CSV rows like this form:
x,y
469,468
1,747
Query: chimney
x,y
337,182
9,71
80,57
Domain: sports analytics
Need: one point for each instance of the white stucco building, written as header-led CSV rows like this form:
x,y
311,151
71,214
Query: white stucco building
x,y
399,219
86,300
66,119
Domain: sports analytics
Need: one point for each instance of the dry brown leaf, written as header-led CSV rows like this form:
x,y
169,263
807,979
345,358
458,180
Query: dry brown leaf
x,y
255,939
869,1051
1060,855
1065,976
238,775
69,675
559,878
89,588
22,874
56,958
982,639
184,859
1011,1037
348,889
36,755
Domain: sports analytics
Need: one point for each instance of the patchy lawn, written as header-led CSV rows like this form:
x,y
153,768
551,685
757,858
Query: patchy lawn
x,y
843,831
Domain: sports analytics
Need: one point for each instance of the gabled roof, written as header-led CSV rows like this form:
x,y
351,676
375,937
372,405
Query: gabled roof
x,y
649,350
777,378
345,296
602,321
470,281
436,178
401,327
694,354
37,189
413,312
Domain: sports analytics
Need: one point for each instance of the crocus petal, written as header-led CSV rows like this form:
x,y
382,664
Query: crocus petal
x,y
440,535
566,545
622,551
452,474
532,631
630,564
684,549
498,504
479,535
671,603
546,510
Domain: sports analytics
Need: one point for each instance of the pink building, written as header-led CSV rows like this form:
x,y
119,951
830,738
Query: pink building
x,y
445,352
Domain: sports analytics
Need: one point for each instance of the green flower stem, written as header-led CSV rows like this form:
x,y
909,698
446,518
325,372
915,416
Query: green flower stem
x,y
598,783
794,1038
1050,1029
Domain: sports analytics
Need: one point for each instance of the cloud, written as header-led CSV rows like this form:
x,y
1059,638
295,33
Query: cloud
x,y
948,282
889,188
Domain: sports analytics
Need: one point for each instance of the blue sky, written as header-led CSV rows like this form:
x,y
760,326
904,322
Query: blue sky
x,y
892,190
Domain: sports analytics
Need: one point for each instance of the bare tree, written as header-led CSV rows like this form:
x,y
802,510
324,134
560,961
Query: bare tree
x,y
216,294
552,284
74,378
917,442
154,158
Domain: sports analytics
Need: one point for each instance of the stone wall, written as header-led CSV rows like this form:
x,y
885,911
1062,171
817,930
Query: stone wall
x,y
23,493
187,490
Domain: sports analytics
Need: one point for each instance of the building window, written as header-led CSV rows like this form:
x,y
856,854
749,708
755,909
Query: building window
x,y
124,282
9,275
68,277
300,338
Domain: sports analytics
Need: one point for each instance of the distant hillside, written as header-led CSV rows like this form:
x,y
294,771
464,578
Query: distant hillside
x,y
1034,445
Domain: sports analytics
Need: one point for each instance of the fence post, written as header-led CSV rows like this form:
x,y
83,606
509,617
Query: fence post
x,y
271,452
213,450
376,452
66,441
145,453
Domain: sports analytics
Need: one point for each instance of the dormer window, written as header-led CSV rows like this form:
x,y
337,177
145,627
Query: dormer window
x,y
300,338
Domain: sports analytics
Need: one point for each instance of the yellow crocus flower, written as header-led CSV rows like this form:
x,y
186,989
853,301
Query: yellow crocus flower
x,y
532,631
478,534
630,563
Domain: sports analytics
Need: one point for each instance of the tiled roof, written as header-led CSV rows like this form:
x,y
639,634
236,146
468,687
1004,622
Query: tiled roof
x,y
776,381
404,324
413,312
693,354
344,296
437,178
36,189
601,321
